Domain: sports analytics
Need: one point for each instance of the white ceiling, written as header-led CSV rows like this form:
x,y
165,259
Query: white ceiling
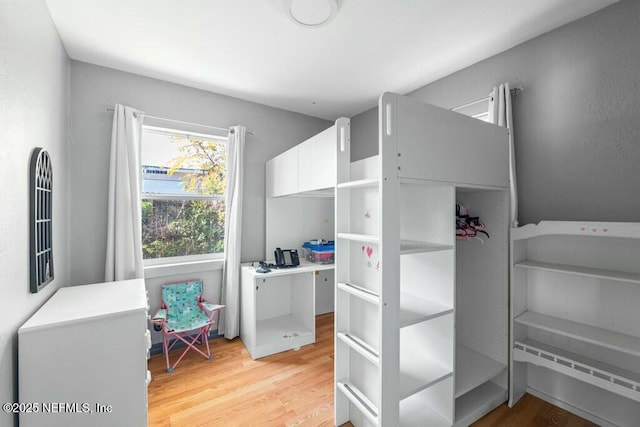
x,y
251,49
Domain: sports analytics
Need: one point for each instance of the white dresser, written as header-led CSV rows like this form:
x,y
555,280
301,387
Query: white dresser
x,y
83,357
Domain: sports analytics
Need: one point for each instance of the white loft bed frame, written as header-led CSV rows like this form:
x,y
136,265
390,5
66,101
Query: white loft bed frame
x,y
399,359
430,159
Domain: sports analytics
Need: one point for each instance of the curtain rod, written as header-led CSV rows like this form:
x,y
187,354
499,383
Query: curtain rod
x,y
513,91
111,110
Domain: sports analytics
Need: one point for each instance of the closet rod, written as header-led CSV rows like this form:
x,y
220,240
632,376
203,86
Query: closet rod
x,y
513,91
111,110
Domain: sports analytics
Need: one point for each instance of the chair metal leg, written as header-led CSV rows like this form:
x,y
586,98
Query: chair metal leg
x,y
202,335
166,351
206,340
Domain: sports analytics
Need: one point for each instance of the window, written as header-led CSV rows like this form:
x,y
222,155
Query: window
x,y
477,110
183,183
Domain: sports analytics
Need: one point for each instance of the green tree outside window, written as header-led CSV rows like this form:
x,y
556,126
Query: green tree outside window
x,y
193,225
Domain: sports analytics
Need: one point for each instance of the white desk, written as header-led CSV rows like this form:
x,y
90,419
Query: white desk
x,y
278,308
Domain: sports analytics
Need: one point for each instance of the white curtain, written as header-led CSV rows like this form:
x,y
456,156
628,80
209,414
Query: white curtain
x,y
124,240
500,114
230,323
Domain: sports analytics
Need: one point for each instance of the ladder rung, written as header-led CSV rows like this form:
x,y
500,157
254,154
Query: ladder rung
x,y
360,292
360,346
359,400
360,183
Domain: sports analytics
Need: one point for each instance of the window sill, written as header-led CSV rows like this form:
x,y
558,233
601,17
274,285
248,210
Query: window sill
x,y
163,270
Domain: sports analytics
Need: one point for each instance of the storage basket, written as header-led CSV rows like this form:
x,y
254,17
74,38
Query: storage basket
x,y
319,254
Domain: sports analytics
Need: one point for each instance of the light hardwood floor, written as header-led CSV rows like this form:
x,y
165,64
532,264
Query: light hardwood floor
x,y
293,388
531,412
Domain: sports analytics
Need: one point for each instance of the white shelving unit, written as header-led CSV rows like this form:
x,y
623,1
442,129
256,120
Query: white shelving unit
x,y
576,323
421,320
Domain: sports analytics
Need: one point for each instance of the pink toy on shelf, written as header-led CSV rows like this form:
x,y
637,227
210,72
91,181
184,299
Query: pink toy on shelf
x,y
468,226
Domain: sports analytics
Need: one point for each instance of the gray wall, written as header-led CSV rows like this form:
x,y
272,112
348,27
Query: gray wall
x,y
577,121
34,73
95,88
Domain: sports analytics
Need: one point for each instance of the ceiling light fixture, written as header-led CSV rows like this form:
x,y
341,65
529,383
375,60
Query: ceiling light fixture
x,y
311,13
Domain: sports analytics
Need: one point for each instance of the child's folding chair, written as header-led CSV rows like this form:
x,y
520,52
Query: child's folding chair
x,y
185,317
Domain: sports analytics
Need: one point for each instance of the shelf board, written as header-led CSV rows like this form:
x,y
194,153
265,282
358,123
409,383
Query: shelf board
x,y
418,372
474,369
324,193
365,350
359,400
629,230
599,374
414,309
478,402
413,247
414,413
406,246
280,329
368,238
603,337
360,183
599,273
360,292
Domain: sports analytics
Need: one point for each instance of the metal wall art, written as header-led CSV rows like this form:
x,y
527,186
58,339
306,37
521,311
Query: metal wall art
x,y
41,188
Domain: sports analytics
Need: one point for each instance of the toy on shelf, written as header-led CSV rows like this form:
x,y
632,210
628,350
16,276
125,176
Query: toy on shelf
x,y
468,226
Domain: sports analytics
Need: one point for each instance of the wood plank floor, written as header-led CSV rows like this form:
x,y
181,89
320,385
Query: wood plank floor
x,y
531,412
293,388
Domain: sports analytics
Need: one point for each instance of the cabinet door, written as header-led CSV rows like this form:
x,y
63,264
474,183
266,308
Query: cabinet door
x,y
325,290
317,161
282,174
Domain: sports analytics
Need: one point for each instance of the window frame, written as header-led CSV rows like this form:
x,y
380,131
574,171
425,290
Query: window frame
x,y
183,259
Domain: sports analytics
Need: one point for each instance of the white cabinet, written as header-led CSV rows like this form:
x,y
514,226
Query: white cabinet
x,y
83,357
278,308
576,323
282,174
421,320
308,168
317,161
